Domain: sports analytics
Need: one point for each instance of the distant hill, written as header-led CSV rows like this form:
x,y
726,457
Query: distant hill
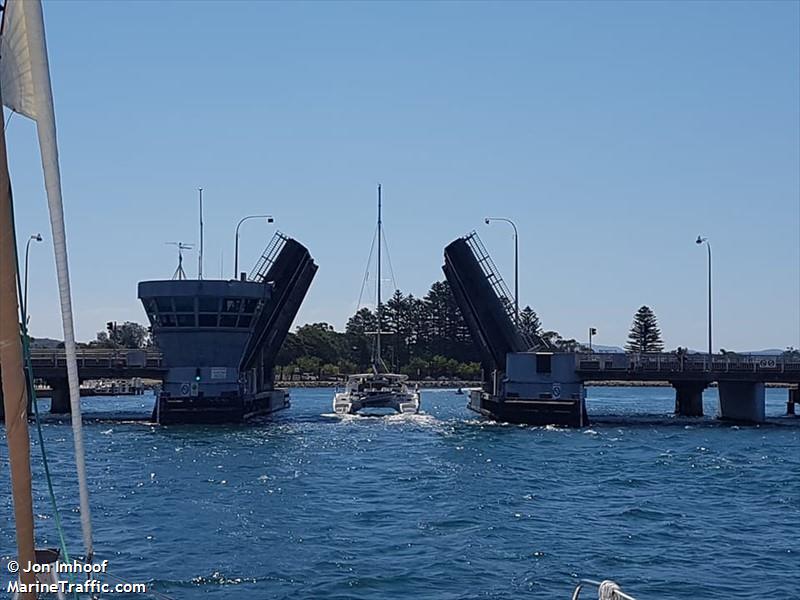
x,y
767,352
45,343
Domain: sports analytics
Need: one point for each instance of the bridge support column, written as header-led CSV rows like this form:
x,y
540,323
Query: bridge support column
x,y
59,398
794,398
741,401
689,398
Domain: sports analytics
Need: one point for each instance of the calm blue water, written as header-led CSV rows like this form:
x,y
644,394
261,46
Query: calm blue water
x,y
442,505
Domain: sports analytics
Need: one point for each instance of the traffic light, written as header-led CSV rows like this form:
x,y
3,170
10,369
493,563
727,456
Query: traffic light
x,y
593,331
197,374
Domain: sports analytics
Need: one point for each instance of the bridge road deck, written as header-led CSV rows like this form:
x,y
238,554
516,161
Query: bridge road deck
x,y
50,366
688,368
740,378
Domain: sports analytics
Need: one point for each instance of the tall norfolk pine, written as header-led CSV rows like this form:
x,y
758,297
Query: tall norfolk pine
x,y
645,336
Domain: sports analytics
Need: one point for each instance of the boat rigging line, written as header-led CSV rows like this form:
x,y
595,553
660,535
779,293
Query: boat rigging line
x,y
366,271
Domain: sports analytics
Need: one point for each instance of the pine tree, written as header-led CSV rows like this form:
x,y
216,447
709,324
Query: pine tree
x,y
362,322
529,323
645,336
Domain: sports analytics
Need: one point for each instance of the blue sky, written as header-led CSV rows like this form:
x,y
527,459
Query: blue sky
x,y
613,133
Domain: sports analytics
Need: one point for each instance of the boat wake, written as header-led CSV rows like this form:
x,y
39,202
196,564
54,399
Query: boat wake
x,y
393,418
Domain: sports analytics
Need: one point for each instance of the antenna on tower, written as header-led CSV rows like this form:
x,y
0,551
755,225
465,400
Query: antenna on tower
x,y
179,272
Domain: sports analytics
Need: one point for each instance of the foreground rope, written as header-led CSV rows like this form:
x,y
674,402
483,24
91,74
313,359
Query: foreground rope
x,y
608,590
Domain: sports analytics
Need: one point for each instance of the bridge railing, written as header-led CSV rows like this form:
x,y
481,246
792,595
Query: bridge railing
x,y
111,358
681,363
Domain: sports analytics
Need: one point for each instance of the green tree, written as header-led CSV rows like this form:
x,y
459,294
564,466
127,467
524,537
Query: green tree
x,y
362,322
102,341
529,323
126,335
290,351
398,325
645,336
319,340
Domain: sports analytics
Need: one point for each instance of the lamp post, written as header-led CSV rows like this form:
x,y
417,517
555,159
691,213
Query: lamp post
x,y
488,220
236,250
701,240
33,238
200,254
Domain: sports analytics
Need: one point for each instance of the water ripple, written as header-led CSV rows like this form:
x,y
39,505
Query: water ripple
x,y
439,505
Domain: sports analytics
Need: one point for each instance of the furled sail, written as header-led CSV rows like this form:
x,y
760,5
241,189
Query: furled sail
x,y
25,80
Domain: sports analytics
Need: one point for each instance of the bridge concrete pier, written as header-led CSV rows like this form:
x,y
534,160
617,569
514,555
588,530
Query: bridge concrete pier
x,y
689,398
59,398
794,398
742,401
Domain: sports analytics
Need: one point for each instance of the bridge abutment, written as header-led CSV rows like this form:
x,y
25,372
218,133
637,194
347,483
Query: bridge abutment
x,y
59,398
741,401
689,398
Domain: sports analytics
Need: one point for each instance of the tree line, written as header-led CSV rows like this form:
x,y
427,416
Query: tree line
x,y
420,337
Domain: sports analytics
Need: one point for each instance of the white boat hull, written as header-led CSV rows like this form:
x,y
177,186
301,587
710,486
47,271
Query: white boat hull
x,y
347,403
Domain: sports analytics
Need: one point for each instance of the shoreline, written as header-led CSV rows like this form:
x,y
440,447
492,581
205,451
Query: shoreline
x,y
463,384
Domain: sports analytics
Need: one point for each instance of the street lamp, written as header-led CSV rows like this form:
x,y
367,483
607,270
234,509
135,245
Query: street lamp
x,y
236,251
33,238
488,220
701,240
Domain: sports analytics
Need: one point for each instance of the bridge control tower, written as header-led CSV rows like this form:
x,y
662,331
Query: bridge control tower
x,y
204,327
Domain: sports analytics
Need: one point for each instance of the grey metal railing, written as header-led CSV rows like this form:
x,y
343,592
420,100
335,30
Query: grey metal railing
x,y
666,361
492,274
98,357
268,257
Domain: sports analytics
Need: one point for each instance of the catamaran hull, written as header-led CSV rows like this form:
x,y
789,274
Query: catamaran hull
x,y
350,404
225,409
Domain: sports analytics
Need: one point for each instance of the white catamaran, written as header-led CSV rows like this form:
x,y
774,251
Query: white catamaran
x,y
378,389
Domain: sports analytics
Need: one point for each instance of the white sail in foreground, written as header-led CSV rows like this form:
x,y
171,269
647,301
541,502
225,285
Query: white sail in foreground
x,y
25,81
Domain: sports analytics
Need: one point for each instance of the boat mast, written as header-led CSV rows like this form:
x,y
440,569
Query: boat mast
x,y
15,398
379,359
